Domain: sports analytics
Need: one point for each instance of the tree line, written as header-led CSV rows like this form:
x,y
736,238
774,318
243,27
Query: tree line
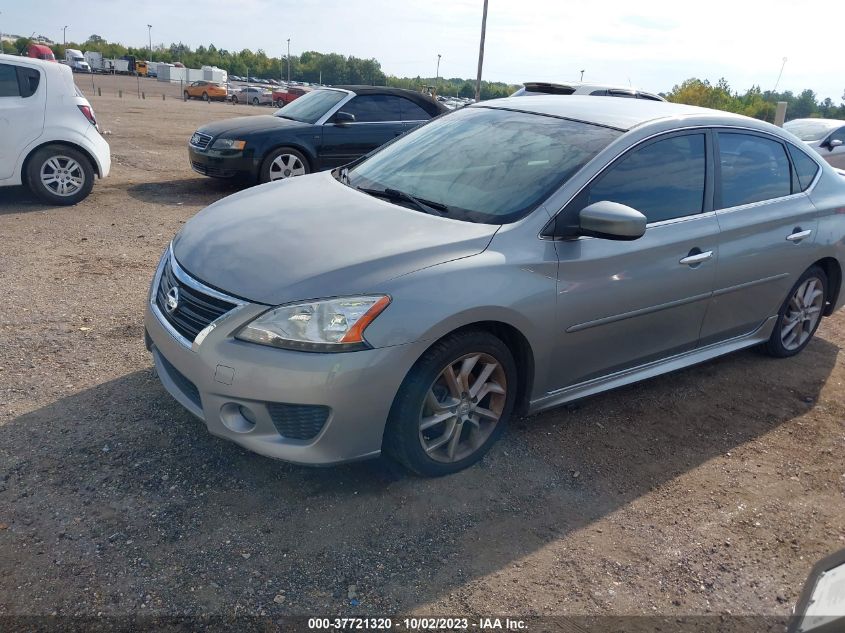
x,y
337,69
754,102
311,66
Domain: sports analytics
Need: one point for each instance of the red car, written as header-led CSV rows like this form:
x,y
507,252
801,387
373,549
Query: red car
x,y
283,96
39,51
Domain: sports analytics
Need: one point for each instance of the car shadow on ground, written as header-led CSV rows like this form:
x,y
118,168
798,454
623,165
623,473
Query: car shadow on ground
x,y
115,497
197,190
21,200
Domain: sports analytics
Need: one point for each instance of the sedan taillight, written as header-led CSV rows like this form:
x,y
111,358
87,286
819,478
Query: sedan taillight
x,y
88,111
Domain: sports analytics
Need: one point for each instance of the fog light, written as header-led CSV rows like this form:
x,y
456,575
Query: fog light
x,y
237,417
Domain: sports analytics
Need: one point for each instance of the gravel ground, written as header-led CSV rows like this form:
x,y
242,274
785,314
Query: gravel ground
x,y
708,491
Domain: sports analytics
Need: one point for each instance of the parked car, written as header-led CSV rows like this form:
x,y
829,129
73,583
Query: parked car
x,y
283,96
320,130
826,136
254,95
50,137
413,301
205,90
532,88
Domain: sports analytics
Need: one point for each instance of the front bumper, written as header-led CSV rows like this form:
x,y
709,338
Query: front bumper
x,y
216,377
221,163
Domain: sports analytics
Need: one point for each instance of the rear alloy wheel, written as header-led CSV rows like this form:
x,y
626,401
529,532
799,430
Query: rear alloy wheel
x,y
453,405
234,100
60,175
284,163
255,101
205,96
800,315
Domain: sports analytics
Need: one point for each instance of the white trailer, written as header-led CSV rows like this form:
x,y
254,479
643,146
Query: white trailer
x,y
95,61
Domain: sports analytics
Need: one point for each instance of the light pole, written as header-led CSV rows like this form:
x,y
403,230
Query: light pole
x,y
582,75
481,53
150,36
437,75
288,60
64,35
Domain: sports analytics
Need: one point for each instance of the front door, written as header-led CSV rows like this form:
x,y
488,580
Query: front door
x,y
21,113
378,119
624,304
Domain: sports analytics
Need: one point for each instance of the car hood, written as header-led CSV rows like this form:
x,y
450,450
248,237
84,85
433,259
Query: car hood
x,y
250,124
311,237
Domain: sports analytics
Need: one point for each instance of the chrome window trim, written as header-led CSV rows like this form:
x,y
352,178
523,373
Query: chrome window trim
x,y
180,274
692,128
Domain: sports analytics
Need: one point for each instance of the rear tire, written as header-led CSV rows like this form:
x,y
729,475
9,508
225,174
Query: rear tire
x,y
255,101
205,96
234,100
800,315
60,175
186,95
453,405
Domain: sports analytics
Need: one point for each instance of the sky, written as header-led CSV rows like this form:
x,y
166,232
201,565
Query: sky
x,y
651,45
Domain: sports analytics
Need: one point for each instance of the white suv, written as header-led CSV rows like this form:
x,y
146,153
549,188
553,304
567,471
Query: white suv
x,y
50,136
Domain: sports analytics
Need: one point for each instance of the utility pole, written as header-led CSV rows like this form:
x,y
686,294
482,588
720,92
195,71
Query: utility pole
x,y
481,53
288,60
582,75
64,35
437,76
150,35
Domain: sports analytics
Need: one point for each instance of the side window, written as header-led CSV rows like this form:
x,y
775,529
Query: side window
x,y
374,108
663,180
412,112
753,169
622,93
648,97
599,93
8,81
838,135
805,167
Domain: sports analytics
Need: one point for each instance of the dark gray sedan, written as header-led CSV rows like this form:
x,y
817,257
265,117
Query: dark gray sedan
x,y
506,258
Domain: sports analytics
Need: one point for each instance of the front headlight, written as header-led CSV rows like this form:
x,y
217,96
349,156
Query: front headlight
x,y
228,143
325,325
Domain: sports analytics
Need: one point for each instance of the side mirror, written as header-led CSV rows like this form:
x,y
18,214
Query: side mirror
x,y
611,221
833,143
342,118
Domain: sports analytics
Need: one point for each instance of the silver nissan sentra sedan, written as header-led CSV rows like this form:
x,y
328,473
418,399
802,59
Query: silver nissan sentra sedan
x,y
502,259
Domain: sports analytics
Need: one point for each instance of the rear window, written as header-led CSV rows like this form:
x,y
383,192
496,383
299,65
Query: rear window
x,y
18,81
805,167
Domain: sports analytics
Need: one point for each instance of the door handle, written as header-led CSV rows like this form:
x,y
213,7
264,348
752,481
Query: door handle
x,y
697,258
799,235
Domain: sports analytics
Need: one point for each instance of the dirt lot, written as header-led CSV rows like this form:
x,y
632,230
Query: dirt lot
x,y
708,491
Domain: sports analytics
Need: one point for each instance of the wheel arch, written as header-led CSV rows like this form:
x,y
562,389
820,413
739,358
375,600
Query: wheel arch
x,y
833,270
94,164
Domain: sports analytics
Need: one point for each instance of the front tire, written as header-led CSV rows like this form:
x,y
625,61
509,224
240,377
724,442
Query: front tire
x,y
60,175
234,100
282,163
800,315
205,96
255,101
186,95
453,405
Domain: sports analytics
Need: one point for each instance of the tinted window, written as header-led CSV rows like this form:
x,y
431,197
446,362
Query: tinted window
x,y
663,180
310,107
499,165
838,135
805,167
622,93
8,81
373,108
648,97
753,169
599,93
412,112
28,79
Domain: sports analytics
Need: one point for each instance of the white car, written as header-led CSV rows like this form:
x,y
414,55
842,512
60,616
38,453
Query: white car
x,y
826,136
50,138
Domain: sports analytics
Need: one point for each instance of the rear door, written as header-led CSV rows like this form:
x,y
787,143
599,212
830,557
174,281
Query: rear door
x,y
767,231
22,103
622,304
378,119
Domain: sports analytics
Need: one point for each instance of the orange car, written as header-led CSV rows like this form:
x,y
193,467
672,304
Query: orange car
x,y
205,90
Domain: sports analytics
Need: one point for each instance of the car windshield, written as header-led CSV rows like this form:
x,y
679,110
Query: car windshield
x,y
310,107
810,130
483,164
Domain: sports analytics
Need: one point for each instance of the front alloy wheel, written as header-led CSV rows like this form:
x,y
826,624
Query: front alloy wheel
x,y
283,163
453,405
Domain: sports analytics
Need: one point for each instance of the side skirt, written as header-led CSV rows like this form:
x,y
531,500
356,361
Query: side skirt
x,y
655,368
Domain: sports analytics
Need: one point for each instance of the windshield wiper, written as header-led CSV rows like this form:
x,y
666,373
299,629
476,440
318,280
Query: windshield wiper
x,y
426,206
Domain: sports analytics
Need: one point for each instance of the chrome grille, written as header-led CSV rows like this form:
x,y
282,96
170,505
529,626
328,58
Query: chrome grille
x,y
200,140
194,309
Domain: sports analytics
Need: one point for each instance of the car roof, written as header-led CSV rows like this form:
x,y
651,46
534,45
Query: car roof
x,y
831,123
620,114
48,66
424,101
